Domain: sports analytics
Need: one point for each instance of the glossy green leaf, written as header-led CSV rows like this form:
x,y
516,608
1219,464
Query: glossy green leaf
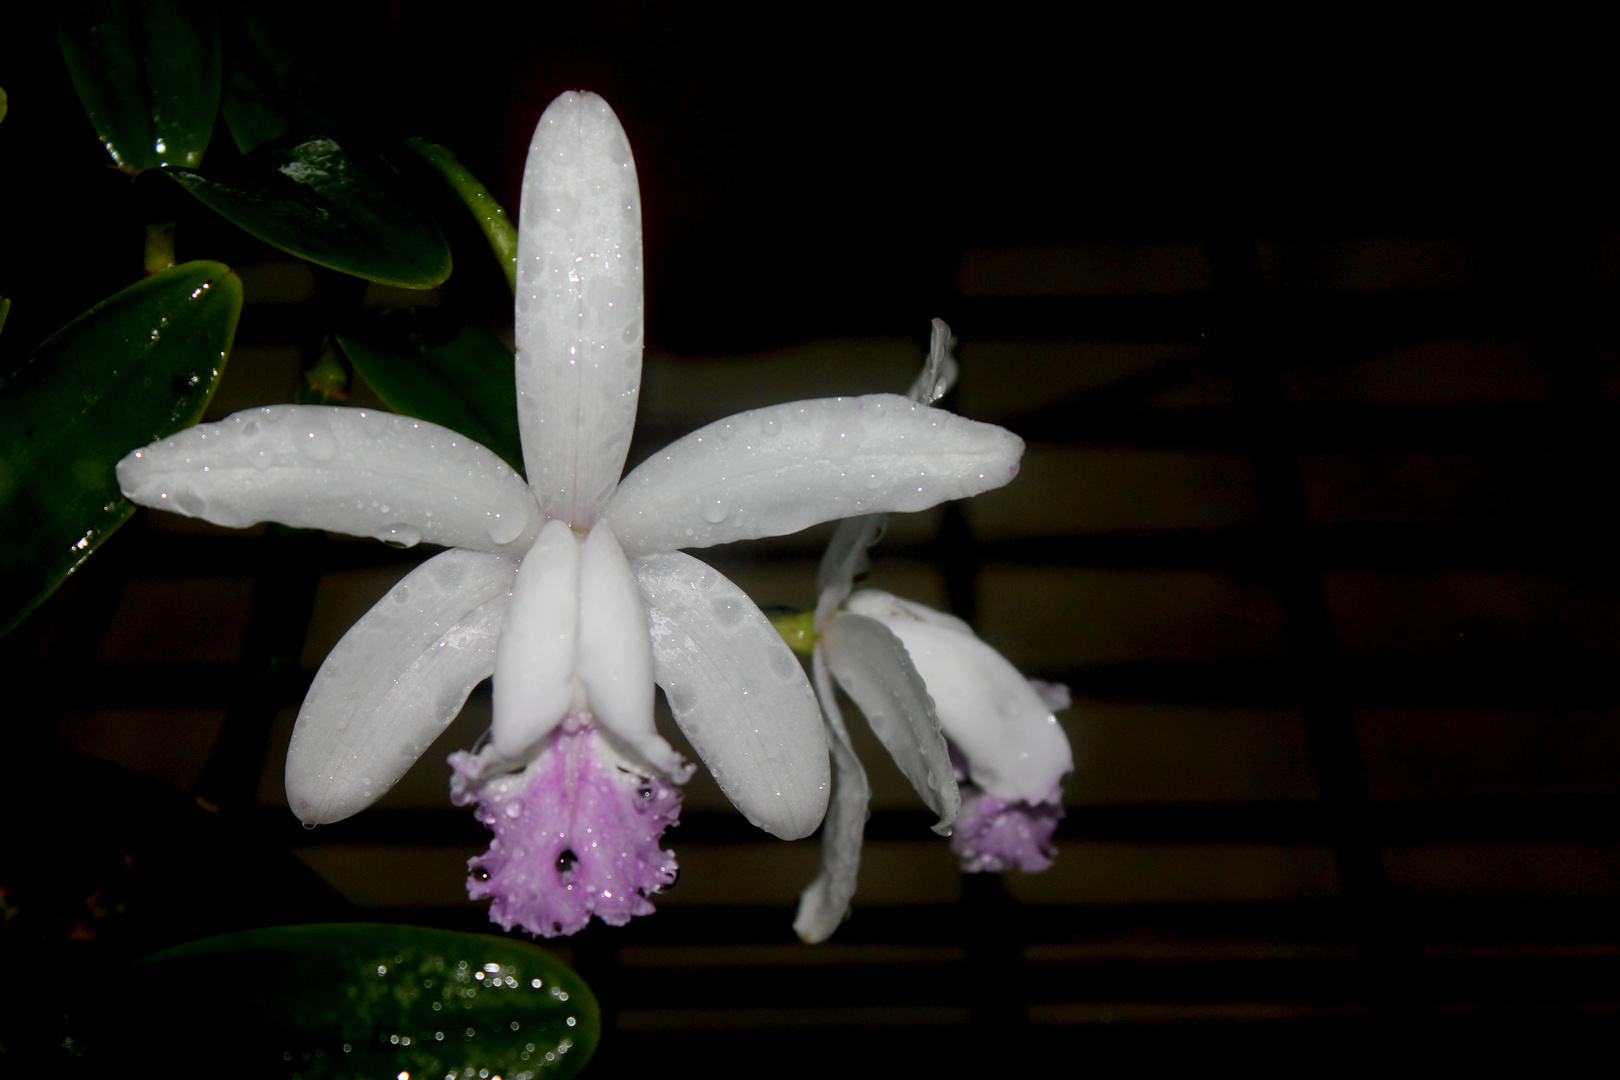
x,y
426,363
136,367
355,1000
5,309
271,83
318,200
492,219
147,72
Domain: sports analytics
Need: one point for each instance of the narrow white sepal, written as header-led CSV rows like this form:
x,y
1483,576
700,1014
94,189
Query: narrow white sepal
x,y
1013,744
844,560
394,681
579,306
871,664
353,471
784,468
738,693
824,903
615,659
534,666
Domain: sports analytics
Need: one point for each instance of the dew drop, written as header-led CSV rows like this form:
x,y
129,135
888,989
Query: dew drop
x,y
401,536
713,511
727,613
770,425
315,439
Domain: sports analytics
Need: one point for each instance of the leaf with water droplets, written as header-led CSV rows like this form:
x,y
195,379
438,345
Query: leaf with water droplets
x,y
148,74
355,999
426,363
321,201
136,367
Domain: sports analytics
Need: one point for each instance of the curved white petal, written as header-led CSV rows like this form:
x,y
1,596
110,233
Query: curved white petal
x,y
738,694
578,306
784,468
844,560
353,471
1014,746
534,666
870,663
882,606
615,660
939,371
395,680
824,904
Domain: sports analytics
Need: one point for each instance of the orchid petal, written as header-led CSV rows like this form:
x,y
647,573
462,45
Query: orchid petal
x,y
1014,746
886,607
534,666
844,560
824,904
394,681
784,468
615,663
738,694
578,306
939,371
348,470
870,663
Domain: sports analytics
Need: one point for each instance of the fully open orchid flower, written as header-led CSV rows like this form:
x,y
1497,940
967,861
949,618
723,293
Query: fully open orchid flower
x,y
569,587
946,706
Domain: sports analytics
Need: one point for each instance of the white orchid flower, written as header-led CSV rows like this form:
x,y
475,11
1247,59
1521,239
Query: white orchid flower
x,y
945,705
569,588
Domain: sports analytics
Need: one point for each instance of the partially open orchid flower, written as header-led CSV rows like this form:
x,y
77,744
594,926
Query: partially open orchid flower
x,y
946,706
569,588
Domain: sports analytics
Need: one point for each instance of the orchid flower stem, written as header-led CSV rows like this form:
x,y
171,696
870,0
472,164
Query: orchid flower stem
x,y
159,255
490,215
797,629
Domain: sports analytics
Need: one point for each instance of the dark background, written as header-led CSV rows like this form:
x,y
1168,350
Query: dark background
x,y
1309,329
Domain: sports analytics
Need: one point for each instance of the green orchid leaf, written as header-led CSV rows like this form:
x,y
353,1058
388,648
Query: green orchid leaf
x,y
136,367
5,309
147,72
490,215
426,363
353,1000
271,85
320,201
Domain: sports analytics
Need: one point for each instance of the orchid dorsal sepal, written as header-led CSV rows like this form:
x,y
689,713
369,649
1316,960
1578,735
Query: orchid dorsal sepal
x,y
797,629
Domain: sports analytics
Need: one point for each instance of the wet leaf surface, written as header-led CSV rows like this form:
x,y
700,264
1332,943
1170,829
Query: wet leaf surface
x,y
148,74
136,367
315,198
355,1000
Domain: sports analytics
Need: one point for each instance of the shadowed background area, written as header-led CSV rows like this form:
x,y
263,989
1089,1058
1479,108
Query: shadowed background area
x,y
1313,357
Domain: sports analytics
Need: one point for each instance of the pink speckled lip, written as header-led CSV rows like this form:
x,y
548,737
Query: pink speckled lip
x,y
993,834
576,835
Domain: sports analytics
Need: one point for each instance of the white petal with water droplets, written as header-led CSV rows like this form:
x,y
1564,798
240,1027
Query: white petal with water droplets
x,y
615,663
353,471
579,306
397,678
1014,746
784,468
738,694
534,667
824,903
870,663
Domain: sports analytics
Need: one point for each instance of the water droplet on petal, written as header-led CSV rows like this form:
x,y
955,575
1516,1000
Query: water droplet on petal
x,y
401,536
713,511
315,438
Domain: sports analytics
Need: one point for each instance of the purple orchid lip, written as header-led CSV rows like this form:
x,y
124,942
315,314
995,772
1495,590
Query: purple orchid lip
x,y
576,835
994,835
